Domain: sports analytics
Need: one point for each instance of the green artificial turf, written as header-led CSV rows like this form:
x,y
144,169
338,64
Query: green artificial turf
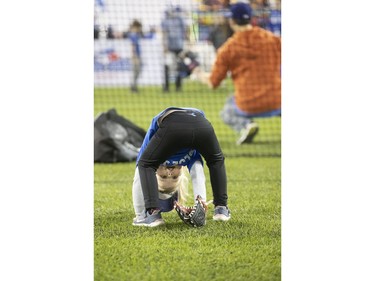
x,y
248,247
141,108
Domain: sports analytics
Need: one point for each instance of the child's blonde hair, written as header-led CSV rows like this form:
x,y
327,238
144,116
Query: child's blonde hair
x,y
180,184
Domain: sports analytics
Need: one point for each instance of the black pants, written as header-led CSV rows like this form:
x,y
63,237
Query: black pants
x,y
178,78
181,130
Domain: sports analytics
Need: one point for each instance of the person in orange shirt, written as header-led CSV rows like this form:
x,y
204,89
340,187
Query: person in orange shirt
x,y
252,55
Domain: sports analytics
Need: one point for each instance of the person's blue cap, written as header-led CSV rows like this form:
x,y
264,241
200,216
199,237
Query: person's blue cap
x,y
240,11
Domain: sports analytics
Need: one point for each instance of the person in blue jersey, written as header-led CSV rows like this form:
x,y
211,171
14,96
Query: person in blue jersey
x,y
177,138
174,32
135,35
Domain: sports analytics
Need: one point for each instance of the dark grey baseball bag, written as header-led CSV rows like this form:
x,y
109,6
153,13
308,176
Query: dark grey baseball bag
x,y
116,139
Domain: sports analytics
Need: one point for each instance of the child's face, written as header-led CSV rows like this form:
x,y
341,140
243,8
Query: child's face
x,y
134,29
168,178
166,172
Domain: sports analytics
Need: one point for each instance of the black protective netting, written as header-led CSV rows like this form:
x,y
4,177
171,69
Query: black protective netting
x,y
137,76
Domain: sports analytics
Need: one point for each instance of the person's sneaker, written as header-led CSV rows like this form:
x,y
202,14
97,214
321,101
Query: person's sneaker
x,y
248,133
221,213
152,220
134,89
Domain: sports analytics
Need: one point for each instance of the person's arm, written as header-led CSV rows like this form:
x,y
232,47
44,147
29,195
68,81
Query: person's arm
x,y
198,180
219,70
138,201
221,66
203,77
164,37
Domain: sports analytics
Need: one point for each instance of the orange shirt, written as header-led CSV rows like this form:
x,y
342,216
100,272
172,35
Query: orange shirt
x,y
253,57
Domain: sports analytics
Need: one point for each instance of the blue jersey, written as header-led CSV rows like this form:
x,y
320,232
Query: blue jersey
x,y
174,29
135,41
185,157
275,22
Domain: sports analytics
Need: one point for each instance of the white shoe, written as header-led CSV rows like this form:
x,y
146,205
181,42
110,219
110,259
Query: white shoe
x,y
221,213
152,220
248,133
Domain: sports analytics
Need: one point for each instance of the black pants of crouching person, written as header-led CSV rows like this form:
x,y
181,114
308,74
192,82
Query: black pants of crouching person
x,y
181,130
